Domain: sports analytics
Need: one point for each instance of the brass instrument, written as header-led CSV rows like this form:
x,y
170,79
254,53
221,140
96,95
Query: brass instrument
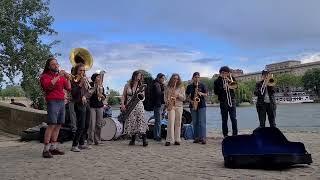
x,y
100,86
228,84
269,81
136,98
81,55
171,102
231,83
196,98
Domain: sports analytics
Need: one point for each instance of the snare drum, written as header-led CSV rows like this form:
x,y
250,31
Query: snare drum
x,y
112,130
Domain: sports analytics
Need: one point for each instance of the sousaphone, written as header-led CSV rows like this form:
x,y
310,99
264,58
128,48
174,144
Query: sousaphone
x,y
81,55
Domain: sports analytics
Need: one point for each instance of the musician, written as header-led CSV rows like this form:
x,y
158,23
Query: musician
x,y
266,104
198,90
158,104
226,96
174,96
135,123
71,113
96,110
53,82
80,96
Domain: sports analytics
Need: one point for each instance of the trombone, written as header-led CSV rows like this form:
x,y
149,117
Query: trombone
x,y
229,83
269,81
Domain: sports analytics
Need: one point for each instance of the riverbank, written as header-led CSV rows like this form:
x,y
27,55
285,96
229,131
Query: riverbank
x,y
117,160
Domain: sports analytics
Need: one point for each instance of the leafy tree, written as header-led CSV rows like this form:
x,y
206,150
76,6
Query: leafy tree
x,y
22,51
12,91
288,81
311,80
112,98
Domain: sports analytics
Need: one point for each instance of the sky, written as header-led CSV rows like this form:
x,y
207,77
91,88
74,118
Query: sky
x,y
185,36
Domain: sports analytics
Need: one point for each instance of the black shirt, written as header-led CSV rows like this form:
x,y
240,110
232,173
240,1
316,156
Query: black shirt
x,y
190,92
94,102
221,92
157,94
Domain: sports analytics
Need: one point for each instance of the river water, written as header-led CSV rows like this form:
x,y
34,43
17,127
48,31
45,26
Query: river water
x,y
300,117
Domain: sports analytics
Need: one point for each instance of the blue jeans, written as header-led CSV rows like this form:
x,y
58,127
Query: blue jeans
x,y
157,122
199,123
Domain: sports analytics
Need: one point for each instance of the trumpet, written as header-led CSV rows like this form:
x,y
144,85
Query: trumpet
x,y
269,81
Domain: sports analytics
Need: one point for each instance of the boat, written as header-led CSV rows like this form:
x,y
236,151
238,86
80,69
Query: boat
x,y
293,97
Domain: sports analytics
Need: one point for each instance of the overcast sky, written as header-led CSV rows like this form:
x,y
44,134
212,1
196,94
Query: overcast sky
x,y
185,36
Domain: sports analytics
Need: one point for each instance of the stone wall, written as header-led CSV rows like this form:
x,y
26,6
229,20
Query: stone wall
x,y
15,119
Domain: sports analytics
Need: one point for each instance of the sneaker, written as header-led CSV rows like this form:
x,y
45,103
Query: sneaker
x,y
47,154
203,141
98,143
167,144
176,143
75,149
56,152
196,141
81,147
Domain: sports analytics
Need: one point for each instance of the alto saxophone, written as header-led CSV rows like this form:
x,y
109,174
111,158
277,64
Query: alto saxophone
x,y
196,98
171,102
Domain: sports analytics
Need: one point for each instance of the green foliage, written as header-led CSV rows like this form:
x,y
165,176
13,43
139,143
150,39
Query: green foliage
x,y
12,91
244,92
311,80
112,99
22,24
288,80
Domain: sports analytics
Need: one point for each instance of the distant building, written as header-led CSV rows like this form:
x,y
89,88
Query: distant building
x,y
288,67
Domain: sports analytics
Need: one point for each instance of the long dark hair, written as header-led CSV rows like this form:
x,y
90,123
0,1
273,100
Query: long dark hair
x,y
133,77
171,83
47,66
76,68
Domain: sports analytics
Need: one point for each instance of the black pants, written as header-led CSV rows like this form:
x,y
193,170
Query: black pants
x,y
83,120
225,110
264,109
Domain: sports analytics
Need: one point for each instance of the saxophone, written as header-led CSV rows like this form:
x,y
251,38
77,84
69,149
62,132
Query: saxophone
x,y
136,98
171,102
196,98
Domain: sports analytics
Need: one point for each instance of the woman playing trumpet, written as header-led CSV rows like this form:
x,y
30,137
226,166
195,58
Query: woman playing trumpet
x,y
80,95
266,104
174,96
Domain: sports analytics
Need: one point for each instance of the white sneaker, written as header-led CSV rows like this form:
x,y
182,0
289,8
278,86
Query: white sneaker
x,y
75,149
85,147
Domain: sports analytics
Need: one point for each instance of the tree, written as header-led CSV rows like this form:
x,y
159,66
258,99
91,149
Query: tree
x,y
244,92
112,98
12,91
288,81
22,51
311,80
